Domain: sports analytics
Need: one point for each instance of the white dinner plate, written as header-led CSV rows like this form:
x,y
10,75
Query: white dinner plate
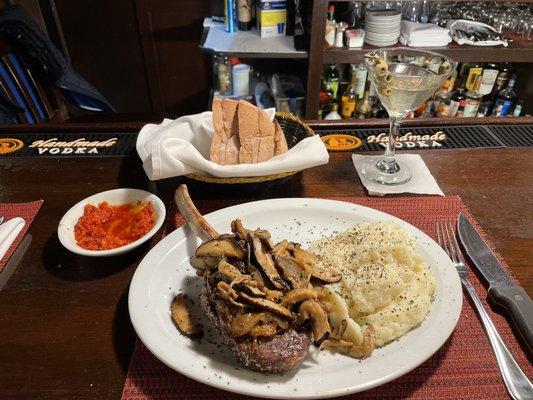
x,y
166,271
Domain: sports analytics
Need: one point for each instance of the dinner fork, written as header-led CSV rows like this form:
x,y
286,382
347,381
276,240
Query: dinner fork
x,y
1,219
514,378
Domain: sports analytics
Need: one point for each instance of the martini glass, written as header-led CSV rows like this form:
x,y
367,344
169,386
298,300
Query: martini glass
x,y
402,81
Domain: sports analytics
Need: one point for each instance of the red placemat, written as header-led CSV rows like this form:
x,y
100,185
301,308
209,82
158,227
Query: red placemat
x,y
26,211
464,368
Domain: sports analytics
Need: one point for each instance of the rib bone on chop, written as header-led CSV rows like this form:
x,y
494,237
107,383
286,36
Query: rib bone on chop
x,y
279,353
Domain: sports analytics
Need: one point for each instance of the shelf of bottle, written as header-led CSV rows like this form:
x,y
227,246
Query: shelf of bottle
x,y
459,1
518,51
448,121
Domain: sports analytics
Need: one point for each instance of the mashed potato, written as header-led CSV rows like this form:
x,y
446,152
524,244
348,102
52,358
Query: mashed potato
x,y
385,282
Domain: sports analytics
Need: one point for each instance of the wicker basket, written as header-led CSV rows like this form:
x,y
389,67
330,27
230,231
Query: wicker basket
x,y
294,130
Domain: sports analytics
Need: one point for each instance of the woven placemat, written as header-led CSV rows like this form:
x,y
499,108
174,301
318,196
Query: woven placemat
x,y
26,211
464,368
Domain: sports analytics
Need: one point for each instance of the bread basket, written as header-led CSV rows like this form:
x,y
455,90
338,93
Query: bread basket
x,y
295,131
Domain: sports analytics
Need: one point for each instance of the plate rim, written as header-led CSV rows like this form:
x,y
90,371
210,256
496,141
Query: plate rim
x,y
181,234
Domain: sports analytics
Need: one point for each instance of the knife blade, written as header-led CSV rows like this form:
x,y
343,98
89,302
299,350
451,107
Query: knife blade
x,y
502,289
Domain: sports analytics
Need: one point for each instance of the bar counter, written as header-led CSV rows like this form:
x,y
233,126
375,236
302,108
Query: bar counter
x,y
65,326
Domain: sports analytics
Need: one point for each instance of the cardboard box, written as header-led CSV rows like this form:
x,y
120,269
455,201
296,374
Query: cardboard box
x,y
271,22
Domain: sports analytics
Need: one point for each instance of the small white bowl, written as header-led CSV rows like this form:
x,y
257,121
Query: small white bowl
x,y
65,230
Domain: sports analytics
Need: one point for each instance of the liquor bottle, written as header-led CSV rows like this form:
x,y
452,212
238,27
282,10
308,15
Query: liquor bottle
x,y
518,108
339,35
330,27
424,12
462,74
244,14
333,114
332,77
485,108
429,111
442,103
364,108
224,75
331,13
420,109
378,111
449,83
361,75
325,98
349,98
490,73
457,103
444,108
355,18
473,99
474,70
503,78
505,100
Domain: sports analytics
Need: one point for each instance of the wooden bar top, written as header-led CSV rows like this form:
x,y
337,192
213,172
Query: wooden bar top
x,y
65,331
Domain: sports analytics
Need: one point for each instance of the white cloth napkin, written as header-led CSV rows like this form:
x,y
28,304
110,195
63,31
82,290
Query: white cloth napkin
x,y
181,146
415,34
9,231
422,181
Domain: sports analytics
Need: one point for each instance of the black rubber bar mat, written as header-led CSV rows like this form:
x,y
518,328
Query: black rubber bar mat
x,y
445,137
514,135
360,139
67,145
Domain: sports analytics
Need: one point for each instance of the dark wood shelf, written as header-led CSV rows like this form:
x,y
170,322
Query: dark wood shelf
x,y
517,51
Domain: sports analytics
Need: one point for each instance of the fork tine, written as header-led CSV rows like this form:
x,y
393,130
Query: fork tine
x,y
439,238
458,251
450,249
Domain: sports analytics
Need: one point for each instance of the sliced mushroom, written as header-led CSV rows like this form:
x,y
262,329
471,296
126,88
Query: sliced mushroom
x,y
292,272
251,268
315,266
265,304
222,246
182,317
249,289
231,272
264,330
266,263
312,310
243,323
265,237
238,229
280,249
299,295
268,317
274,295
346,347
227,293
203,263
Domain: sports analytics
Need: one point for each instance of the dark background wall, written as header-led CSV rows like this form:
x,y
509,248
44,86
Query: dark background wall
x,y
142,55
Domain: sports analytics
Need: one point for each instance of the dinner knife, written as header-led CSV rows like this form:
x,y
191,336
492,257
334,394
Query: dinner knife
x,y
502,289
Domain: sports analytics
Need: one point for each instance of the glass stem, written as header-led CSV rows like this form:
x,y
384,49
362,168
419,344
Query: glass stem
x,y
395,123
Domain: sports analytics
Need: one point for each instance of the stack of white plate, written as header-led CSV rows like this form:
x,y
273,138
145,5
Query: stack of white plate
x,y
382,27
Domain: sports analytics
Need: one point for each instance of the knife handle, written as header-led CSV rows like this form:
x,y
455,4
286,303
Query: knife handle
x,y
520,306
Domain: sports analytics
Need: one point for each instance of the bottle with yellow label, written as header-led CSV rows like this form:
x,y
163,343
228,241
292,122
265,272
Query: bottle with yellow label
x,y
349,99
474,71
